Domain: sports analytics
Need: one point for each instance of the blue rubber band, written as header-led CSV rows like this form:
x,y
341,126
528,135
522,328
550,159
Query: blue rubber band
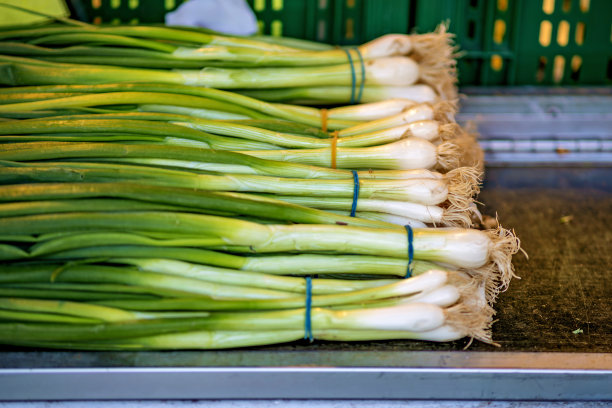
x,y
308,312
355,192
410,250
363,75
353,75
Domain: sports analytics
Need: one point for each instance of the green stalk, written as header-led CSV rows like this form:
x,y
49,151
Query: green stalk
x,y
169,132
463,248
8,252
187,249
104,39
293,42
404,154
155,60
51,17
24,71
284,126
20,97
137,336
102,204
211,340
245,298
320,286
70,308
150,32
21,316
333,95
306,116
61,291
174,196
412,190
123,98
41,273
413,210
128,244
92,137
160,55
88,291
59,150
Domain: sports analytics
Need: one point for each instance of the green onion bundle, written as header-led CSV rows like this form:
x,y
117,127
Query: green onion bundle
x,y
423,65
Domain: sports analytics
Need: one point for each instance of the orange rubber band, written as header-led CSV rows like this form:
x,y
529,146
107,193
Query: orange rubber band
x,y
334,145
324,119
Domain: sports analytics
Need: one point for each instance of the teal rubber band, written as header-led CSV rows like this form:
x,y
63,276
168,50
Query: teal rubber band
x,y
308,312
355,193
363,75
410,250
353,75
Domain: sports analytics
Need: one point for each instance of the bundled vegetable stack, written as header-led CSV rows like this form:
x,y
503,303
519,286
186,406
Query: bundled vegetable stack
x,y
156,195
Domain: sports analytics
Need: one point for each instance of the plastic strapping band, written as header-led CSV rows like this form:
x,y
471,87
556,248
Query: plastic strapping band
x,y
410,250
353,74
308,311
324,119
355,193
363,75
334,145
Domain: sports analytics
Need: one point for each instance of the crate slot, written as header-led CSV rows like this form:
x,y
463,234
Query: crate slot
x,y
349,32
545,33
558,68
548,6
277,5
563,33
471,31
585,5
497,62
575,64
499,31
567,6
579,33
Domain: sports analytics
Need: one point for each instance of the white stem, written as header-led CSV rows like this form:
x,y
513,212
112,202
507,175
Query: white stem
x,y
390,218
463,247
424,213
371,111
396,71
424,129
417,317
418,93
422,111
387,45
412,153
444,296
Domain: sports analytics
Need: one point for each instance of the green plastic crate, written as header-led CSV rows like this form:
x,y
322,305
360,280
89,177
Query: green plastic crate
x,y
505,42
527,42
332,21
123,11
342,22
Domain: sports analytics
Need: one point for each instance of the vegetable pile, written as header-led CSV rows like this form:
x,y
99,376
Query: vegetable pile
x,y
170,188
